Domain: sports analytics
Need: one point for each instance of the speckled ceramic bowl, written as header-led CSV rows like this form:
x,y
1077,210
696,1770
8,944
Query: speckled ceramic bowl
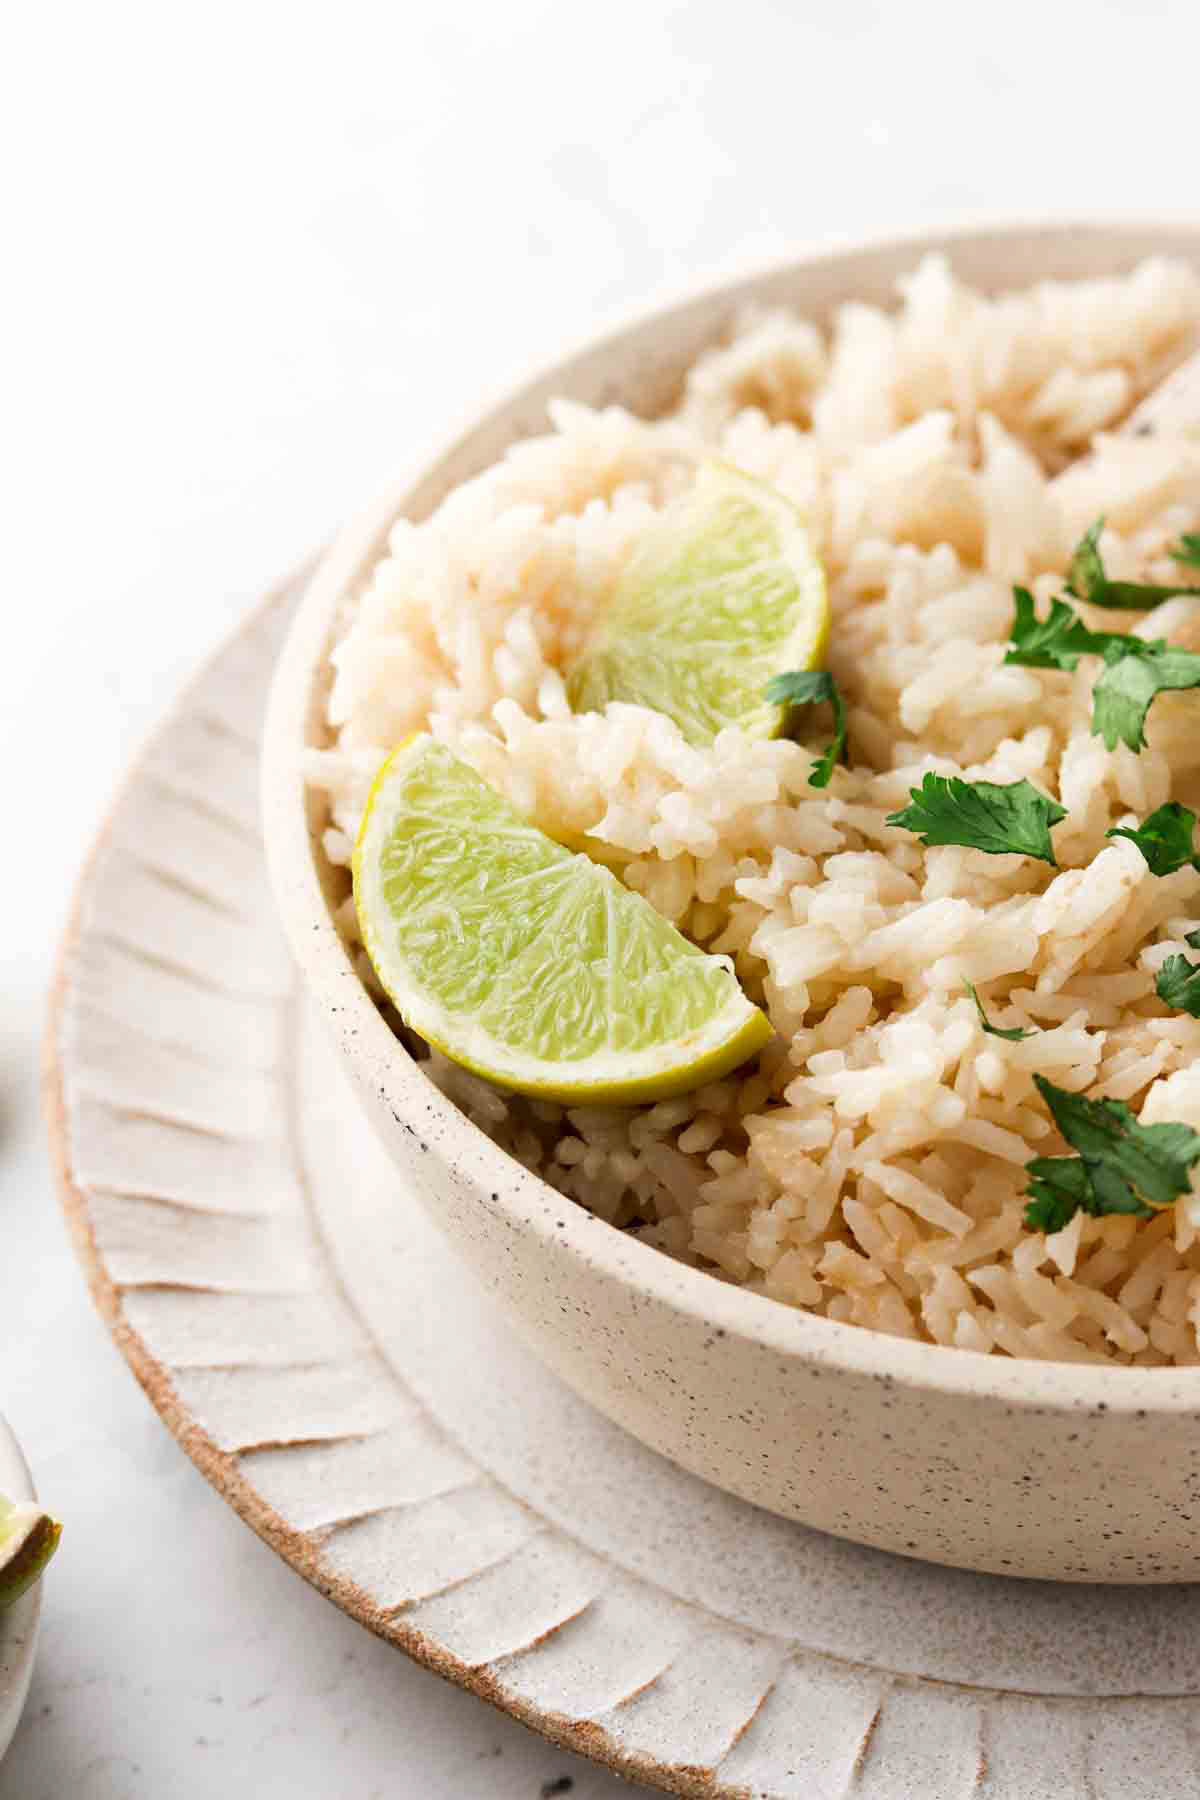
x,y
1050,1470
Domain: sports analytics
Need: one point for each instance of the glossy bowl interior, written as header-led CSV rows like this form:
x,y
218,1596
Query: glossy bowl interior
x,y
1048,1470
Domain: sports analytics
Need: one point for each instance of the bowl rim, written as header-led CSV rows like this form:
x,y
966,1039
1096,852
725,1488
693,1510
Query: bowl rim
x,y
381,1063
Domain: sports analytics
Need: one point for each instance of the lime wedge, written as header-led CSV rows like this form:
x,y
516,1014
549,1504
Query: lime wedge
x,y
28,1539
523,960
723,592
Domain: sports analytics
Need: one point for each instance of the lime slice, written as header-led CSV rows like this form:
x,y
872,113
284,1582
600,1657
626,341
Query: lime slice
x,y
525,961
28,1539
723,592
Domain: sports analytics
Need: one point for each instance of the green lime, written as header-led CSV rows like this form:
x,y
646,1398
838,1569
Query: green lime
x,y
723,592
28,1539
525,961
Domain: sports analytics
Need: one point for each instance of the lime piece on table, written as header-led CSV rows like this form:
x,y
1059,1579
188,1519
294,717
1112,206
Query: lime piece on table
x,y
28,1539
723,592
525,961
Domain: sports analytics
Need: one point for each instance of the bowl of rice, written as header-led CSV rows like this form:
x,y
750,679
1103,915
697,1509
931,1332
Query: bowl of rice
x,y
925,1271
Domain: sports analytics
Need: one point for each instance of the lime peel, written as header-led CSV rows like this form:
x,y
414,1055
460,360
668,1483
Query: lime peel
x,y
28,1539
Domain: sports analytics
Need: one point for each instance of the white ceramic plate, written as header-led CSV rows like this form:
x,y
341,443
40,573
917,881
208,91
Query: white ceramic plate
x,y
19,1623
319,1352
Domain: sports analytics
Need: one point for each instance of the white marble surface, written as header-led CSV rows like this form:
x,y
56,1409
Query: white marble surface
x,y
256,255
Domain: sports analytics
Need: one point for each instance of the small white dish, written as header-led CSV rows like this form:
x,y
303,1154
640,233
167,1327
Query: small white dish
x,y
19,1623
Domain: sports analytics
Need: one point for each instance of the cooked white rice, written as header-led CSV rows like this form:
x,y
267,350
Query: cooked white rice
x,y
870,1166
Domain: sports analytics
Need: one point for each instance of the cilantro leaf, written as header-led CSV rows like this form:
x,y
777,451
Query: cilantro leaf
x,y
1122,1167
1058,1187
1150,1161
1192,938
1178,984
1087,580
806,687
1011,819
1164,838
1014,1033
1187,550
1055,642
1135,670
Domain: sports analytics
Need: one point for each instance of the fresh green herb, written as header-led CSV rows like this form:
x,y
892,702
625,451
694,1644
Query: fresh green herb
x,y
1135,670
1085,573
1087,580
1058,1188
1178,984
1014,1033
1012,819
1055,642
1192,938
1122,1167
807,687
1187,550
1164,838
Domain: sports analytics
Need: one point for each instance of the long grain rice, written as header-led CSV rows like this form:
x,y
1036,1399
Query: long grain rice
x,y
872,1166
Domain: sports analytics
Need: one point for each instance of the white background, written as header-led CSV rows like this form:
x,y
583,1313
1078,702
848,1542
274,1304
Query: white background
x,y
253,257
